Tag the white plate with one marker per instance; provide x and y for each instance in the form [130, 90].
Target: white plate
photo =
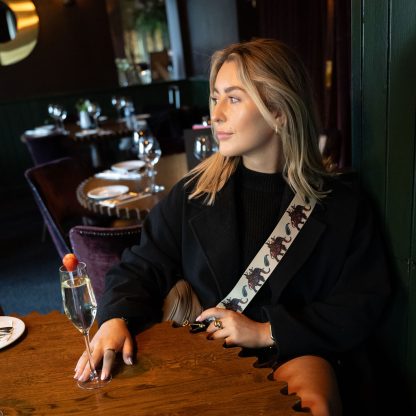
[128, 166]
[143, 116]
[46, 127]
[18, 329]
[104, 192]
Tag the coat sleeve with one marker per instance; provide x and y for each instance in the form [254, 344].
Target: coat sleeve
[135, 288]
[346, 316]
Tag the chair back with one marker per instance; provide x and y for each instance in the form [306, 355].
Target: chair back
[46, 148]
[54, 187]
[100, 248]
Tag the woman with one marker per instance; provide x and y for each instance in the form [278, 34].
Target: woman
[328, 290]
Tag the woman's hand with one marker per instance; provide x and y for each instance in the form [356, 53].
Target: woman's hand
[113, 336]
[237, 329]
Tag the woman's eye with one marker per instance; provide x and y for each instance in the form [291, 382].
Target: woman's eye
[234, 100]
[214, 100]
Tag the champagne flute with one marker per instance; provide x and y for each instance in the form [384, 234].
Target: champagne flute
[148, 150]
[204, 146]
[80, 307]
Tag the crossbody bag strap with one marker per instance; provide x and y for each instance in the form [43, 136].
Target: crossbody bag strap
[269, 255]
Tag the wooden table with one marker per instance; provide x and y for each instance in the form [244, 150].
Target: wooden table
[100, 142]
[175, 373]
[170, 170]
[108, 130]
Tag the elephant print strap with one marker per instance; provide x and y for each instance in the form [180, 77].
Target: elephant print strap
[270, 255]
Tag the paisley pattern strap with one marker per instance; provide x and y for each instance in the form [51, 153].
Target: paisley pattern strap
[270, 255]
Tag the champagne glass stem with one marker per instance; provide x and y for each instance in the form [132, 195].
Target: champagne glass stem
[151, 169]
[90, 362]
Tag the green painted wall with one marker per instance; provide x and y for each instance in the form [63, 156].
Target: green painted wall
[383, 130]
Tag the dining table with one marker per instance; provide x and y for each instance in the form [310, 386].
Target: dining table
[101, 140]
[174, 372]
[170, 170]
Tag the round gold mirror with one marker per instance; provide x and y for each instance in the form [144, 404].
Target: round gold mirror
[19, 27]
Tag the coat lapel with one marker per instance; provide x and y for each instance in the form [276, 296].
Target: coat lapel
[215, 229]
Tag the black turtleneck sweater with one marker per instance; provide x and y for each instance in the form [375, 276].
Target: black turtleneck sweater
[258, 197]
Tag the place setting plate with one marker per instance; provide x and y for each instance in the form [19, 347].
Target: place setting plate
[128, 166]
[109, 191]
[17, 331]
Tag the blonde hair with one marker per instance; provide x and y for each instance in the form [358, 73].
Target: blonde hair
[276, 80]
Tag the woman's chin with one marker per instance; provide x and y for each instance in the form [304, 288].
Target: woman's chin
[223, 151]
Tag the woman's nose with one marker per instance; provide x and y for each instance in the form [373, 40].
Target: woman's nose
[218, 114]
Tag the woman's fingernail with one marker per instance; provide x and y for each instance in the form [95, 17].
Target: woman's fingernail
[129, 361]
[198, 318]
[103, 375]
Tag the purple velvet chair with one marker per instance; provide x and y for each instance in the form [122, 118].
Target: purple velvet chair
[54, 187]
[100, 248]
[45, 148]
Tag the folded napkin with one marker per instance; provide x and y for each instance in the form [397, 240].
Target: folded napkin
[111, 174]
[89, 132]
[38, 132]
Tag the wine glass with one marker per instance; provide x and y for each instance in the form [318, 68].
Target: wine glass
[119, 103]
[204, 146]
[55, 111]
[94, 110]
[62, 117]
[148, 150]
[80, 307]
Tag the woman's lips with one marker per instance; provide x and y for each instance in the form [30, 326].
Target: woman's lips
[223, 135]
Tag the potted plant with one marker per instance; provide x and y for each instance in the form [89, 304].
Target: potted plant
[84, 117]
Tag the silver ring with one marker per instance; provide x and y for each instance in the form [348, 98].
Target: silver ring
[218, 323]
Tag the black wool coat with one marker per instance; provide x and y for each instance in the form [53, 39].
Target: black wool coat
[327, 293]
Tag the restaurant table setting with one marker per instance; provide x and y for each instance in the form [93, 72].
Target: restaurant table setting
[46, 130]
[136, 198]
[124, 191]
[129, 169]
[174, 372]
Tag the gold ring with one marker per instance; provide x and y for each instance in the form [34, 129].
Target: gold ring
[218, 324]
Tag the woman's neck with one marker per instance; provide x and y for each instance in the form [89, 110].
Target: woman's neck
[271, 161]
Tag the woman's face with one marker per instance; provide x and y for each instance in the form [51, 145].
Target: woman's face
[239, 126]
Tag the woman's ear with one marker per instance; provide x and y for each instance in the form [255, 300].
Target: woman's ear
[280, 120]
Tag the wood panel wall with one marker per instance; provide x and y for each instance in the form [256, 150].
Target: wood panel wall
[383, 123]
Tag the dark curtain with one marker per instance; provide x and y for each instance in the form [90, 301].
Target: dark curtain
[319, 30]
[340, 116]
